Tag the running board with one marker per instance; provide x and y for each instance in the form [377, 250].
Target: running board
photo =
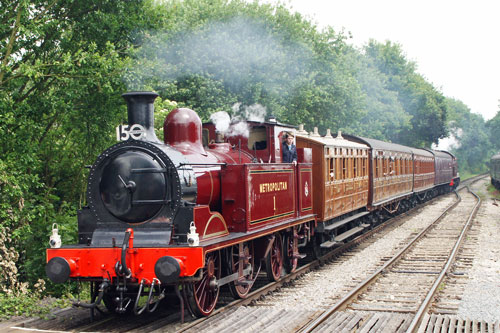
[340, 223]
[347, 234]
[328, 244]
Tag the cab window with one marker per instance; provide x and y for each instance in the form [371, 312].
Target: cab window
[257, 139]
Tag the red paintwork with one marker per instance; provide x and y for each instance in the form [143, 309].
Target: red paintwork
[99, 262]
[209, 224]
[304, 180]
[183, 131]
[182, 128]
[266, 194]
[305, 188]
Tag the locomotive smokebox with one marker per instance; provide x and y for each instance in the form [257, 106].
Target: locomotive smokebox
[140, 106]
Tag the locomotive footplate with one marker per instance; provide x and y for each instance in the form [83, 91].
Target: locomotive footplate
[97, 263]
[238, 237]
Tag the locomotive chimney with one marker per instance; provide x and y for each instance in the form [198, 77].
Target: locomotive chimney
[140, 106]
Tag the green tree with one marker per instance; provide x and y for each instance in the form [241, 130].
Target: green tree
[384, 116]
[60, 84]
[421, 101]
[493, 126]
[213, 54]
[471, 138]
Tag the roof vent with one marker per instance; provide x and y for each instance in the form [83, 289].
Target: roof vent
[301, 130]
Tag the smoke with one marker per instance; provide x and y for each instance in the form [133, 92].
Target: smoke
[221, 120]
[254, 112]
[228, 127]
[238, 125]
[239, 128]
[235, 53]
[450, 142]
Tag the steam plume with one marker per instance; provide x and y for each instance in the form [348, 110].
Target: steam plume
[238, 125]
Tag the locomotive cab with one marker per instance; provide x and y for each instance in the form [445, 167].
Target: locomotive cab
[262, 140]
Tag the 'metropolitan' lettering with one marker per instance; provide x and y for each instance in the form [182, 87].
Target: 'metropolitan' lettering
[273, 187]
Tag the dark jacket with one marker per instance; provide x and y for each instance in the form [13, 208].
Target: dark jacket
[289, 155]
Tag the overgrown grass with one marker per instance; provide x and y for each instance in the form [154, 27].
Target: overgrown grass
[466, 175]
[493, 192]
[21, 298]
[28, 306]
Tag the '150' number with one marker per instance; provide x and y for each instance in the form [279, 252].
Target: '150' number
[125, 132]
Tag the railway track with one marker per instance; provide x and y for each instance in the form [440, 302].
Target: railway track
[288, 309]
[268, 317]
[269, 288]
[407, 283]
[168, 321]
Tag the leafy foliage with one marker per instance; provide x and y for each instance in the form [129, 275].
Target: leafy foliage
[60, 79]
[424, 105]
[214, 54]
[493, 126]
[471, 138]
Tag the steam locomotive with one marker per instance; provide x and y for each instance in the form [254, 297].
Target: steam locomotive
[196, 212]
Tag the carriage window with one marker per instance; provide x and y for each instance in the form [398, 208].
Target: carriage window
[337, 167]
[351, 167]
[257, 139]
[355, 167]
[332, 169]
[344, 168]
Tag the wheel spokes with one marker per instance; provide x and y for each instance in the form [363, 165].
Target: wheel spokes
[239, 288]
[205, 292]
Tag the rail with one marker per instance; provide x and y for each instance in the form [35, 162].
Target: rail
[425, 304]
[300, 271]
[343, 303]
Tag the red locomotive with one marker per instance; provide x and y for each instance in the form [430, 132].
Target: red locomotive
[178, 213]
[197, 212]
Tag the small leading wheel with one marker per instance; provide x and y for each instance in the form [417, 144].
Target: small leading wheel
[291, 246]
[240, 289]
[203, 295]
[274, 259]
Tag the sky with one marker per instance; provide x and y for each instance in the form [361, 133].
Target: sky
[455, 43]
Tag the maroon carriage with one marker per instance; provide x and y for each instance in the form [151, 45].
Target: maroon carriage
[445, 165]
